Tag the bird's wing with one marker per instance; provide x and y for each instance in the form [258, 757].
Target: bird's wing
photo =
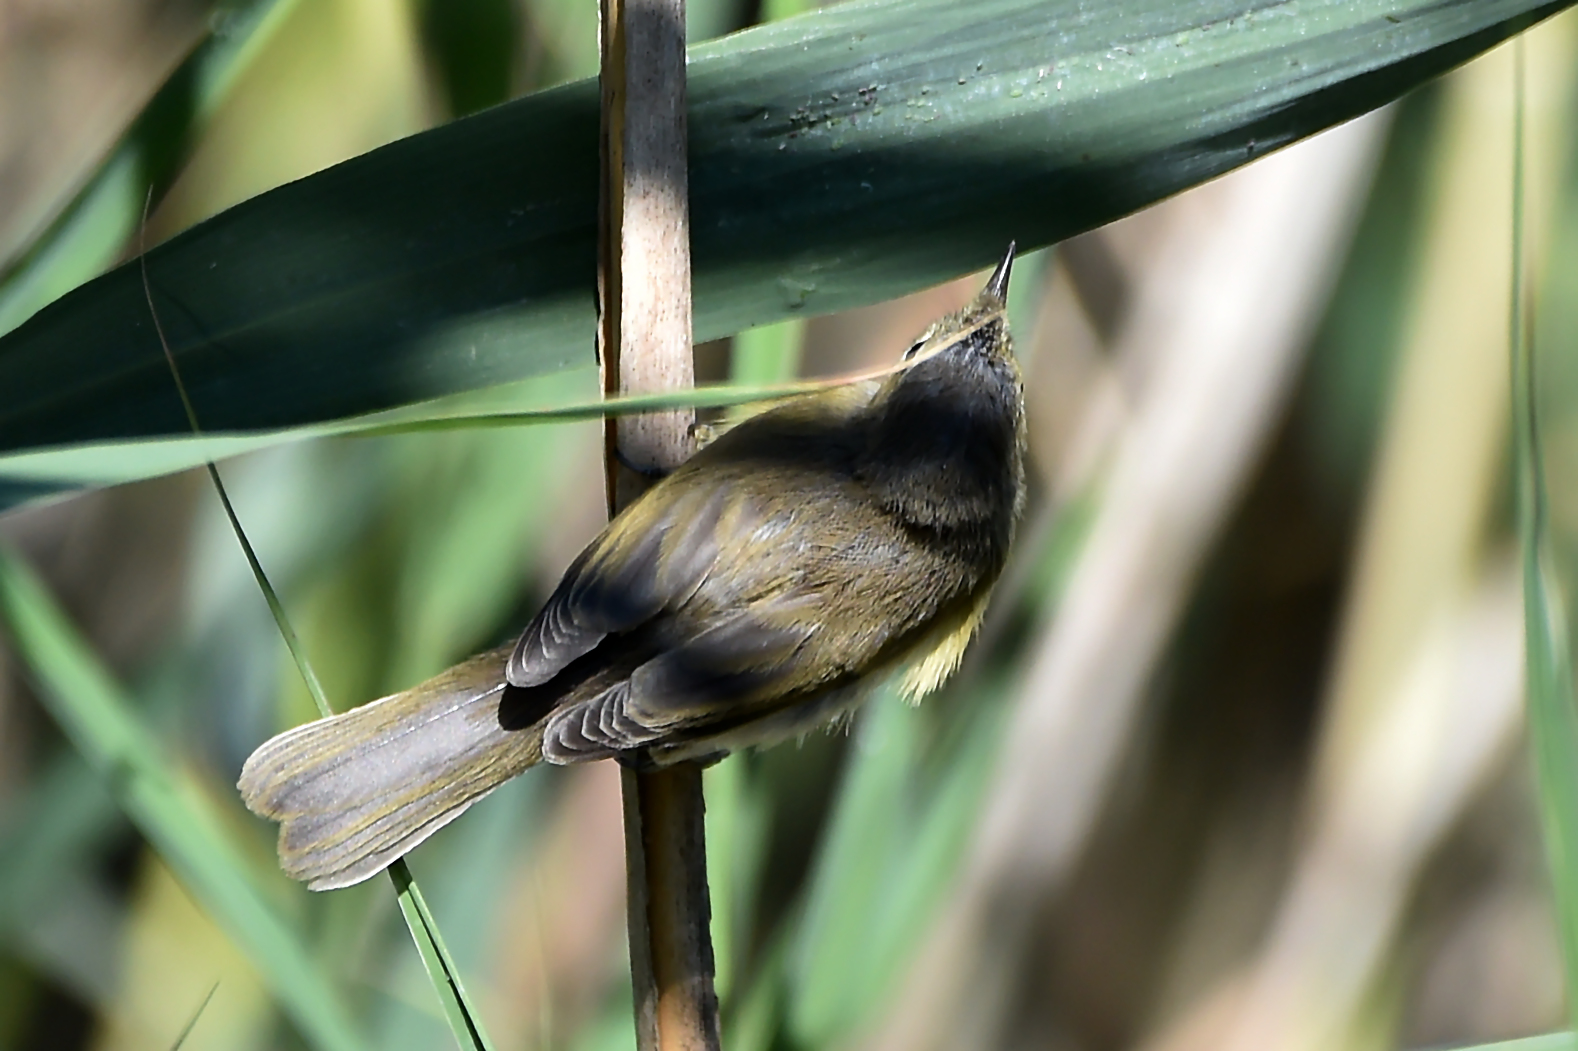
[742, 657]
[782, 617]
[639, 566]
[653, 557]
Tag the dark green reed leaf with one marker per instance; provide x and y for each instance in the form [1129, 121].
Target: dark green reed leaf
[838, 158]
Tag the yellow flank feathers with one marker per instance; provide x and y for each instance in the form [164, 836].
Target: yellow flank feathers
[929, 671]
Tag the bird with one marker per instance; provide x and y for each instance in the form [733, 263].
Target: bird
[844, 538]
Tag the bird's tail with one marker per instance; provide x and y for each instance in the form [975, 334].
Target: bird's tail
[354, 792]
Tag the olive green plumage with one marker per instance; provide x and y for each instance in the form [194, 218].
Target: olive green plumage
[747, 597]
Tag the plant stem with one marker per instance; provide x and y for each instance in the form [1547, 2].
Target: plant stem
[671, 960]
[644, 344]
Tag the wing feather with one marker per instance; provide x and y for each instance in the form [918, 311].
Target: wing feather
[633, 571]
[765, 577]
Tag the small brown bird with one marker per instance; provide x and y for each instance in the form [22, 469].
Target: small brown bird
[752, 594]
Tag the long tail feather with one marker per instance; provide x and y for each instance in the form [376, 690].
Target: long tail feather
[356, 791]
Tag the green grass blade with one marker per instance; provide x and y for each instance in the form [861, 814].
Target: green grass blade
[275, 607]
[191, 1023]
[82, 242]
[1553, 720]
[841, 157]
[462, 1018]
[165, 804]
[33, 474]
[464, 1021]
[1546, 1042]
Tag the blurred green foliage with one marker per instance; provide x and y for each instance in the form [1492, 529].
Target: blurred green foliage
[398, 555]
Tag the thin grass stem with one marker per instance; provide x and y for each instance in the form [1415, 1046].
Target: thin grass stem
[462, 1017]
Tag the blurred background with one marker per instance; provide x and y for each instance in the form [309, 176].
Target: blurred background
[1238, 761]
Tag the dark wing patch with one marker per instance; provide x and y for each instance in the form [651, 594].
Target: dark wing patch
[639, 566]
[691, 687]
[594, 729]
[731, 660]
[572, 623]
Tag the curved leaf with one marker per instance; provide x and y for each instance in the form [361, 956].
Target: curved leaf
[839, 158]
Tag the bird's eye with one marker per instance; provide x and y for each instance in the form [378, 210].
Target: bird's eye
[915, 349]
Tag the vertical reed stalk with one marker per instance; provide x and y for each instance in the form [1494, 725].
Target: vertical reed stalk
[644, 344]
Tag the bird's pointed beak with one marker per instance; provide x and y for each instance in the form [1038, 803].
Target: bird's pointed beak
[997, 285]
